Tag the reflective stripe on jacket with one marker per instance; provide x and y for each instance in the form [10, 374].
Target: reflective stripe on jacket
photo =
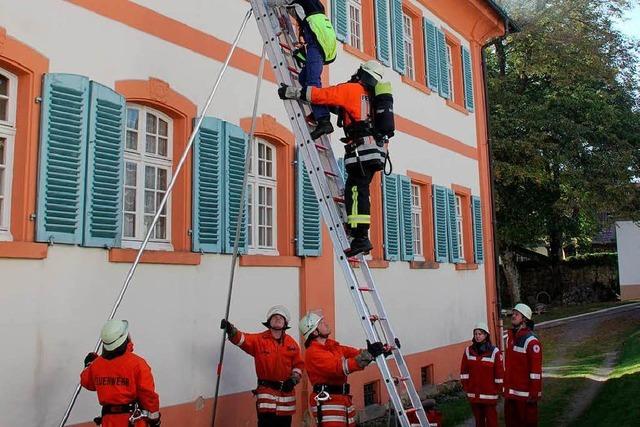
[523, 373]
[482, 375]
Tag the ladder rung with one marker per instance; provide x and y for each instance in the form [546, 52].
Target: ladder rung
[331, 174]
[338, 200]
[285, 46]
[410, 410]
[365, 289]
[293, 70]
[321, 147]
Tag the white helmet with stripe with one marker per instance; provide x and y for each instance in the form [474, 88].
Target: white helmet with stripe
[114, 333]
[309, 323]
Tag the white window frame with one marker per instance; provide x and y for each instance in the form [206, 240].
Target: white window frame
[450, 60]
[460, 224]
[142, 159]
[416, 213]
[407, 40]
[8, 132]
[355, 33]
[266, 181]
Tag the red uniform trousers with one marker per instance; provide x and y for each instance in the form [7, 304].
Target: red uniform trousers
[520, 413]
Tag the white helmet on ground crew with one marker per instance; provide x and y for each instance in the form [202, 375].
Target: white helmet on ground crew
[281, 310]
[374, 69]
[114, 333]
[482, 326]
[309, 323]
[524, 310]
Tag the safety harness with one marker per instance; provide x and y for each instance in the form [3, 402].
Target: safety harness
[137, 413]
[323, 394]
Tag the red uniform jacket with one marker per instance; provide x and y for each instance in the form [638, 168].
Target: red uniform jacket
[523, 375]
[274, 361]
[122, 380]
[482, 374]
[330, 363]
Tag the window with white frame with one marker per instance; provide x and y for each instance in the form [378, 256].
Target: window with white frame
[148, 165]
[460, 229]
[416, 213]
[261, 200]
[355, 23]
[450, 59]
[407, 39]
[8, 105]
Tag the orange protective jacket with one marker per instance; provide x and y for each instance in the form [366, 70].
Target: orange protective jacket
[275, 360]
[330, 363]
[352, 97]
[119, 381]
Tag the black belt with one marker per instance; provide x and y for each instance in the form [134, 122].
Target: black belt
[118, 409]
[332, 389]
[276, 385]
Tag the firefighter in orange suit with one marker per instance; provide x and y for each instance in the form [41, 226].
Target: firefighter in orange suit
[366, 129]
[122, 380]
[523, 373]
[328, 365]
[278, 366]
[482, 375]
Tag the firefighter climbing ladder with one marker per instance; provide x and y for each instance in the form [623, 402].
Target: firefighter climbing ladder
[322, 169]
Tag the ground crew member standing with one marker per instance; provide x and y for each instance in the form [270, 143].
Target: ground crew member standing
[328, 364]
[523, 373]
[320, 48]
[122, 380]
[482, 374]
[365, 149]
[278, 366]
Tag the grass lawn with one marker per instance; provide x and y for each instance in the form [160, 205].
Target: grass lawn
[454, 411]
[559, 312]
[617, 403]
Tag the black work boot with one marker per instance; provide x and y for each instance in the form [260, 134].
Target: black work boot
[324, 127]
[359, 245]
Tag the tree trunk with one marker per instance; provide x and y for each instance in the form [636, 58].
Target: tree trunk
[501, 56]
[512, 275]
[555, 257]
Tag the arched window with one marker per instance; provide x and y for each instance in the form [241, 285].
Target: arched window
[148, 170]
[8, 102]
[262, 183]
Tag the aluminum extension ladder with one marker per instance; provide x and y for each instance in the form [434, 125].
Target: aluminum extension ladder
[328, 184]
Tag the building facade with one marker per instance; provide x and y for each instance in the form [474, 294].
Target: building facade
[97, 103]
[628, 243]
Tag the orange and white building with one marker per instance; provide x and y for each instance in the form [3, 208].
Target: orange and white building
[97, 102]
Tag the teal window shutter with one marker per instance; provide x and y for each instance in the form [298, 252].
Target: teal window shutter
[382, 31]
[454, 241]
[207, 187]
[467, 74]
[431, 54]
[309, 224]
[339, 19]
[61, 178]
[443, 64]
[105, 164]
[391, 216]
[234, 152]
[478, 244]
[406, 218]
[440, 223]
[397, 33]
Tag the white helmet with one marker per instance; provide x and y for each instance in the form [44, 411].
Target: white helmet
[524, 310]
[282, 311]
[482, 326]
[309, 323]
[374, 69]
[114, 333]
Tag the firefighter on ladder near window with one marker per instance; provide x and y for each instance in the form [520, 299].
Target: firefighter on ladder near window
[122, 380]
[482, 375]
[365, 111]
[523, 373]
[328, 364]
[278, 366]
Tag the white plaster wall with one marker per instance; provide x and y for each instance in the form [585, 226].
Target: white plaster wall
[628, 238]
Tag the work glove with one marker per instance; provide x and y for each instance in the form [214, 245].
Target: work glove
[289, 92]
[90, 358]
[289, 384]
[364, 358]
[375, 349]
[228, 327]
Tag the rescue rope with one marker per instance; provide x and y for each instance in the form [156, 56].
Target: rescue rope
[239, 221]
[163, 203]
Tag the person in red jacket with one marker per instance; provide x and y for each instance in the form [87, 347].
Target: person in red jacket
[365, 150]
[482, 374]
[328, 364]
[523, 373]
[278, 366]
[122, 380]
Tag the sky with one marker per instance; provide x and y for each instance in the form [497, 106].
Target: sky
[631, 25]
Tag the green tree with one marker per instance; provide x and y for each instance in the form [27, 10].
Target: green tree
[565, 124]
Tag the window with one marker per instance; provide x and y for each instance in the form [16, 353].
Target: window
[426, 375]
[148, 165]
[407, 39]
[371, 393]
[261, 200]
[451, 81]
[355, 24]
[8, 97]
[416, 213]
[460, 224]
